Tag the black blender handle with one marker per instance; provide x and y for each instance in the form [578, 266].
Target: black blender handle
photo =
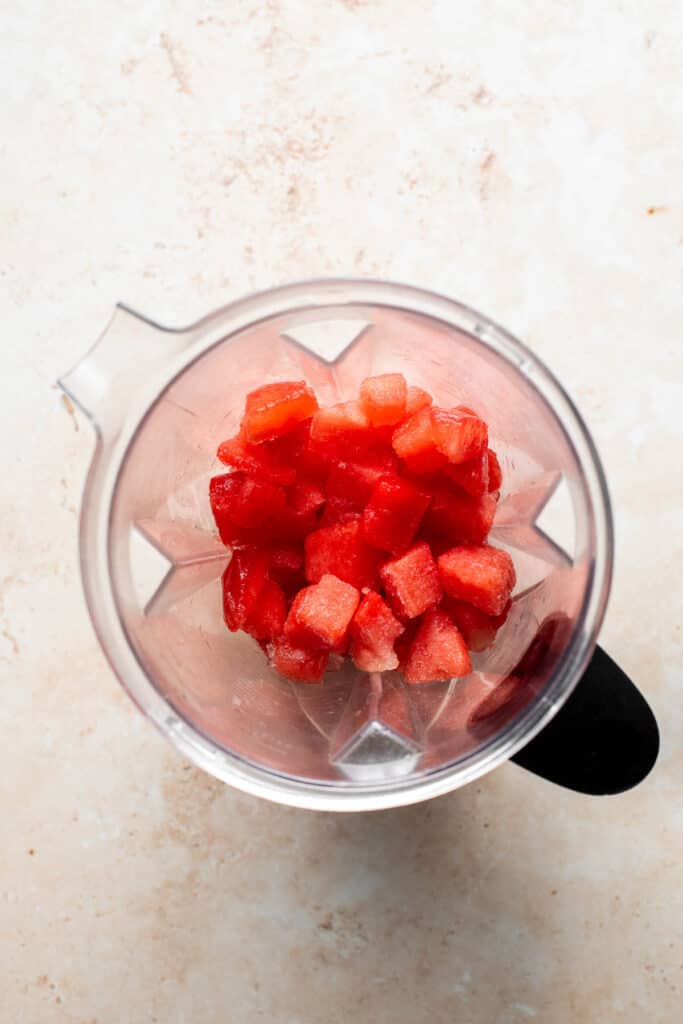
[604, 740]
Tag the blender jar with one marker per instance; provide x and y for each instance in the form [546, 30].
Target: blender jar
[160, 400]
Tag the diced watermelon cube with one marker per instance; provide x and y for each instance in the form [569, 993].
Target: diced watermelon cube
[459, 434]
[478, 629]
[322, 613]
[373, 632]
[353, 481]
[459, 517]
[258, 460]
[285, 559]
[300, 664]
[393, 514]
[286, 566]
[438, 652]
[243, 582]
[341, 551]
[266, 620]
[333, 422]
[416, 399]
[495, 474]
[274, 409]
[306, 496]
[339, 510]
[411, 582]
[232, 497]
[415, 436]
[296, 449]
[481, 575]
[471, 476]
[383, 399]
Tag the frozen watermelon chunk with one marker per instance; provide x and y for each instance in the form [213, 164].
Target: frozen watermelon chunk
[459, 517]
[438, 651]
[416, 399]
[495, 474]
[373, 632]
[258, 460]
[241, 506]
[274, 409]
[296, 449]
[459, 433]
[411, 582]
[322, 612]
[306, 496]
[266, 620]
[393, 514]
[339, 510]
[383, 399]
[285, 559]
[300, 664]
[415, 435]
[471, 476]
[243, 582]
[353, 481]
[333, 422]
[481, 575]
[478, 629]
[341, 551]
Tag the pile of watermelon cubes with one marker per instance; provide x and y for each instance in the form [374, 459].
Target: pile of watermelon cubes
[359, 530]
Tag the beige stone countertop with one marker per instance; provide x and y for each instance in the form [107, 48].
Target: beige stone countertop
[524, 158]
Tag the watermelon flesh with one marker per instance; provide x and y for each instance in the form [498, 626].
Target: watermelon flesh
[359, 529]
[438, 651]
[374, 630]
[482, 576]
[274, 409]
[411, 582]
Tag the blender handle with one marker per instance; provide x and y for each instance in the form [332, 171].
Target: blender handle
[604, 740]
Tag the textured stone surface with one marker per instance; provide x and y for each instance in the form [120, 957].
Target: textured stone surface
[523, 158]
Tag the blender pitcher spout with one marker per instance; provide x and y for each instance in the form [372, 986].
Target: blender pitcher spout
[129, 347]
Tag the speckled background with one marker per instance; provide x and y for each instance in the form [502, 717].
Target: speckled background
[525, 158]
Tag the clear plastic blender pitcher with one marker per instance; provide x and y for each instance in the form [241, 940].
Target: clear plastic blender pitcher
[160, 400]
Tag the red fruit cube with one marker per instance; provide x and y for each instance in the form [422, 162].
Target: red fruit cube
[300, 664]
[243, 582]
[383, 399]
[459, 517]
[306, 496]
[478, 629]
[322, 612]
[438, 652]
[339, 510]
[411, 582]
[296, 449]
[416, 399]
[274, 409]
[415, 436]
[373, 632]
[248, 502]
[259, 461]
[471, 476]
[481, 575]
[393, 514]
[285, 559]
[354, 481]
[460, 434]
[266, 620]
[333, 422]
[495, 474]
[341, 551]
